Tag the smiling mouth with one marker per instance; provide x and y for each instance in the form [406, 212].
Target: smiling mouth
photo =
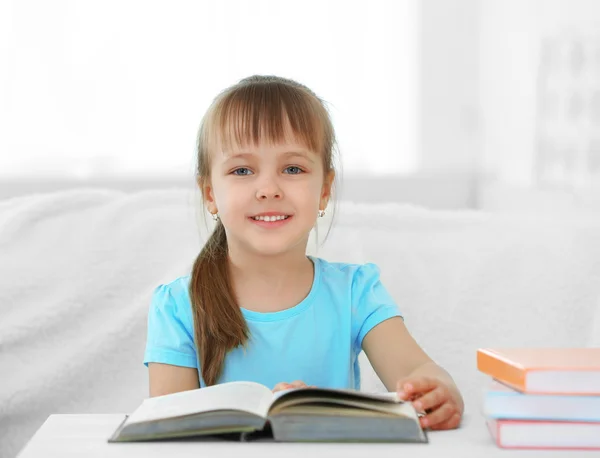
[270, 218]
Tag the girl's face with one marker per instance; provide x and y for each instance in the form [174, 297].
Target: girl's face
[268, 197]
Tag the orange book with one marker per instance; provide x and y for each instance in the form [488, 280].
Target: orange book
[544, 370]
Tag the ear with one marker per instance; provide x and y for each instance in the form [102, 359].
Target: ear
[208, 194]
[326, 189]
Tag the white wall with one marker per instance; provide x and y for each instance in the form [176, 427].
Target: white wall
[100, 89]
[510, 38]
[476, 92]
[447, 119]
[450, 133]
[477, 69]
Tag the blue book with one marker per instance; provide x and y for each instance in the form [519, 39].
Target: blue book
[503, 402]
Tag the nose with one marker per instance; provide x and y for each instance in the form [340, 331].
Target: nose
[268, 188]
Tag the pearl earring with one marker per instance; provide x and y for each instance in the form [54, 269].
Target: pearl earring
[321, 213]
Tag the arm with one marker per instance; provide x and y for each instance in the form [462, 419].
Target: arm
[170, 351]
[397, 358]
[167, 379]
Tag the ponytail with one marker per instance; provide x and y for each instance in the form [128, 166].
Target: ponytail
[219, 325]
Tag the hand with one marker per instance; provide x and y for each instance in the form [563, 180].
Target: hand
[442, 405]
[286, 386]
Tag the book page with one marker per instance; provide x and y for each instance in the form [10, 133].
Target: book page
[392, 408]
[351, 410]
[337, 393]
[373, 401]
[243, 396]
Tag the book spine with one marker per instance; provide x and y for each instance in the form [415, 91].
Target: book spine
[494, 365]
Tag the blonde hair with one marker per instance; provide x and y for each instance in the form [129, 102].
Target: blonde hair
[258, 108]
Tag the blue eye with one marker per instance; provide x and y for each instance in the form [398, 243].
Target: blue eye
[294, 170]
[242, 171]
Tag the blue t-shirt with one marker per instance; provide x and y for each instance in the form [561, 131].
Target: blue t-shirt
[316, 341]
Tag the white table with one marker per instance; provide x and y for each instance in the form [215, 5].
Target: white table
[64, 436]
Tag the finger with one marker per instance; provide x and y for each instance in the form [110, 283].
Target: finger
[423, 384]
[404, 389]
[439, 415]
[414, 385]
[298, 384]
[432, 399]
[408, 397]
[452, 423]
[281, 386]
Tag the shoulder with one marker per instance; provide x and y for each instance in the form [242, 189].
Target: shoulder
[178, 286]
[351, 275]
[170, 331]
[348, 270]
[173, 297]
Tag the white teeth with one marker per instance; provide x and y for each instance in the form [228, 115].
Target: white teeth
[270, 218]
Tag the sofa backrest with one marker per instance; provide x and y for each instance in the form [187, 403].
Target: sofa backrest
[78, 269]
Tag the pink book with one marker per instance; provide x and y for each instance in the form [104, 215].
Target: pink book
[532, 434]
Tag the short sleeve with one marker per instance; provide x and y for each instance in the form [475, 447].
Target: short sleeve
[170, 331]
[371, 303]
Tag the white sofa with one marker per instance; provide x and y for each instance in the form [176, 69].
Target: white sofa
[77, 269]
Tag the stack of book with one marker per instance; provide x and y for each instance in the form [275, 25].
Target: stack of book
[546, 398]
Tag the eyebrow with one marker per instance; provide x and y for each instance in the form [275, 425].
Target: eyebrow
[303, 154]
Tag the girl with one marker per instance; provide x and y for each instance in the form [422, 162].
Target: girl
[255, 306]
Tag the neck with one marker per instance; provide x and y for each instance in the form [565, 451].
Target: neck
[270, 283]
[272, 269]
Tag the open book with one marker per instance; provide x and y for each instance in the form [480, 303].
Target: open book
[251, 410]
